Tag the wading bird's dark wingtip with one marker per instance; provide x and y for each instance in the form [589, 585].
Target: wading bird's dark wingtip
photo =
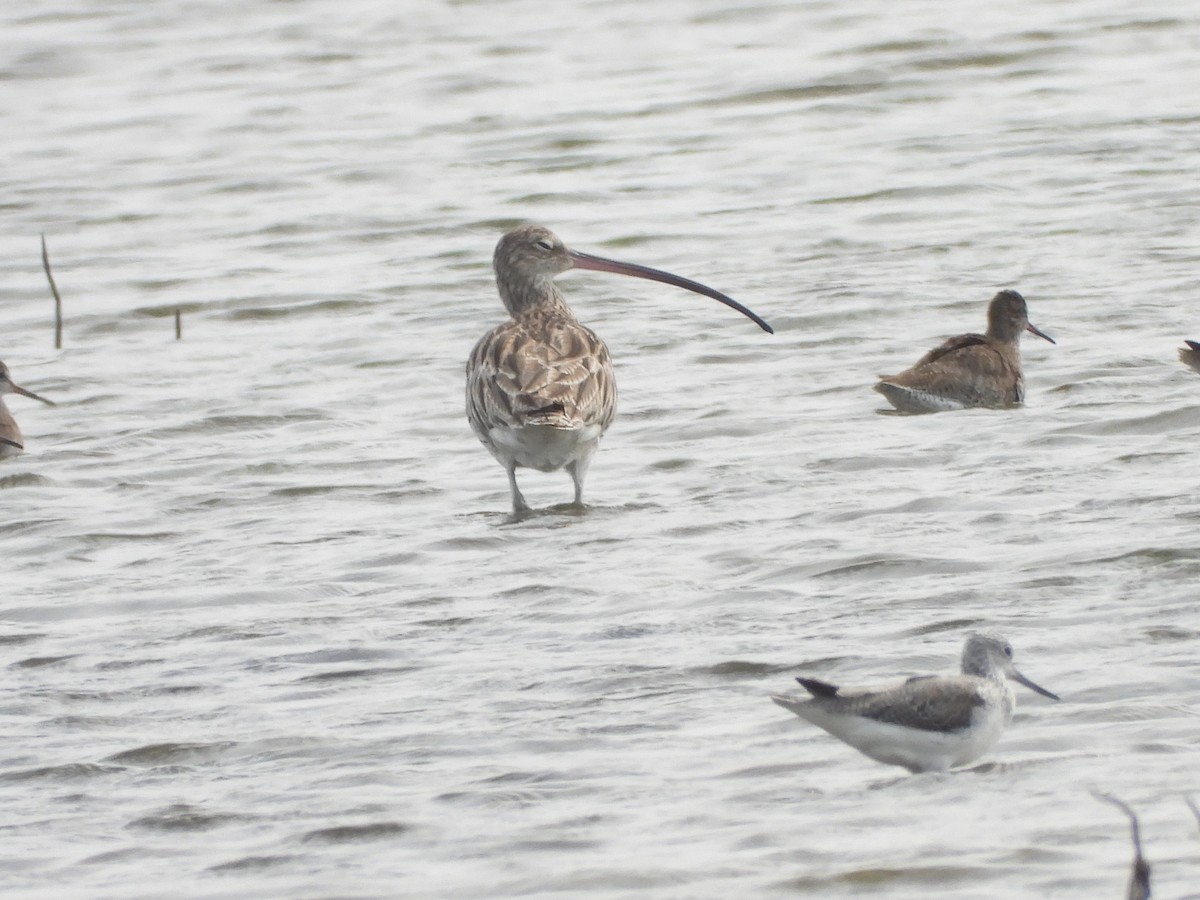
[818, 688]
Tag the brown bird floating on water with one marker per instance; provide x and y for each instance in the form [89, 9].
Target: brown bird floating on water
[540, 387]
[1190, 355]
[971, 369]
[11, 442]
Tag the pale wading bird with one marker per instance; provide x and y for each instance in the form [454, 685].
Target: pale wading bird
[540, 387]
[971, 369]
[929, 723]
[1190, 355]
[11, 442]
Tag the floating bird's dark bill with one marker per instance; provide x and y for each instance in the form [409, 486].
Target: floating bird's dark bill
[600, 264]
[17, 389]
[1021, 679]
[1029, 326]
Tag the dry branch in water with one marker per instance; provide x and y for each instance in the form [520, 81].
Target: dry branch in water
[57, 298]
[1139, 876]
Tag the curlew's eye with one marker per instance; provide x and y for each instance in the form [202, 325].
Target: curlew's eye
[1008, 651]
[543, 244]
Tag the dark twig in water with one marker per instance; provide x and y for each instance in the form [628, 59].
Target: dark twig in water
[1192, 806]
[57, 298]
[1139, 876]
[178, 324]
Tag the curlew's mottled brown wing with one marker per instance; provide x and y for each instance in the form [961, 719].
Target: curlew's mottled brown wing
[968, 368]
[556, 373]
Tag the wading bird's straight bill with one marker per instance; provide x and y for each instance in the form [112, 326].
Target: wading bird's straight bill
[970, 370]
[540, 387]
[11, 441]
[929, 723]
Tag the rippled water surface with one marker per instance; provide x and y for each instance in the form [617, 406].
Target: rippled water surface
[268, 627]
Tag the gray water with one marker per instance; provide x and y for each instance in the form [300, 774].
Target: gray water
[268, 628]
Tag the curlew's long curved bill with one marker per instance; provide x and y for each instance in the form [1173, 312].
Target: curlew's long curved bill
[600, 264]
[1030, 327]
[1021, 679]
[17, 389]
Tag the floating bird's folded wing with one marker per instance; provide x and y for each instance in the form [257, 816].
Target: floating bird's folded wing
[563, 379]
[950, 346]
[966, 368]
[927, 704]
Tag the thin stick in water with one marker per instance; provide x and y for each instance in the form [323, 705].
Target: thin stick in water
[57, 298]
[1139, 876]
[178, 324]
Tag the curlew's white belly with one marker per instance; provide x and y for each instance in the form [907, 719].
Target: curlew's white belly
[543, 447]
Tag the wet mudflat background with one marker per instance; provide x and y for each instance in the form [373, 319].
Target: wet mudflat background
[267, 627]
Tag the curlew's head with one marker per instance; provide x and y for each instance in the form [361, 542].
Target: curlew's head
[1008, 316]
[8, 386]
[526, 262]
[528, 258]
[988, 656]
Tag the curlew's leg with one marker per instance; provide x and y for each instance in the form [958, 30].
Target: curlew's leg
[578, 469]
[519, 504]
